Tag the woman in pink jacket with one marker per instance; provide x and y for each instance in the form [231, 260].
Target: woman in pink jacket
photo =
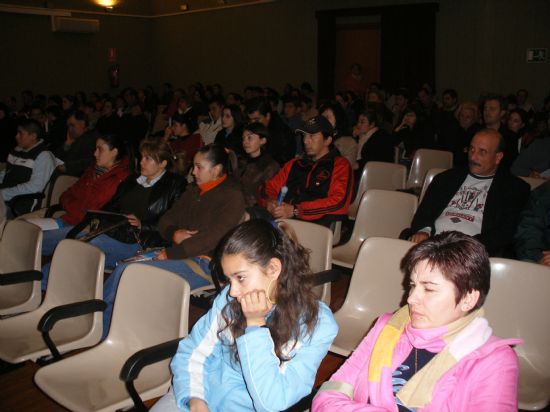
[437, 353]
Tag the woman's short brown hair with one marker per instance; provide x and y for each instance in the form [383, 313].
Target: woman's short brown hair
[461, 259]
[158, 150]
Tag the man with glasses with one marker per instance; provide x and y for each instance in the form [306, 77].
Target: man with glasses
[481, 201]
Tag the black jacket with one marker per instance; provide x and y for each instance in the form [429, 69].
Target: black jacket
[506, 198]
[163, 195]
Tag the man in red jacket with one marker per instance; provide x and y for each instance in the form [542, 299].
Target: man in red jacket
[319, 184]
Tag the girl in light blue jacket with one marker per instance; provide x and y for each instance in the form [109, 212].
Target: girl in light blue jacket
[259, 347]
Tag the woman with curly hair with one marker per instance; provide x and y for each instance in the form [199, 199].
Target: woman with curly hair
[260, 345]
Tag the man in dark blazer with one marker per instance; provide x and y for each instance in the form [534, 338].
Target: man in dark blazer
[479, 200]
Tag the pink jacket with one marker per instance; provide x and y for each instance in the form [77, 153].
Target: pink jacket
[484, 380]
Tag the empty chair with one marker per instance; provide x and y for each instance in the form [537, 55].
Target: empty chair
[378, 175]
[76, 275]
[382, 213]
[518, 307]
[20, 251]
[427, 180]
[375, 288]
[151, 307]
[318, 239]
[424, 160]
[534, 182]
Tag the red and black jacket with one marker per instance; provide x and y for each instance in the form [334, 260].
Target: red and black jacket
[317, 188]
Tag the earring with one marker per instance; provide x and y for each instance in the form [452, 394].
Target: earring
[268, 293]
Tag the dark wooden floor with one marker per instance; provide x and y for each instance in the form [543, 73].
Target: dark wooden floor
[19, 393]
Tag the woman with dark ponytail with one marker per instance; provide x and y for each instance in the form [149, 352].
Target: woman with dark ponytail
[194, 225]
[260, 345]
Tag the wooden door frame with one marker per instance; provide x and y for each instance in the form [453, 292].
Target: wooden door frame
[326, 39]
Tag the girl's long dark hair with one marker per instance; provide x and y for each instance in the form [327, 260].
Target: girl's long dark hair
[295, 314]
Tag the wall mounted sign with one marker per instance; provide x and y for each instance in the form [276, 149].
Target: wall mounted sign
[536, 55]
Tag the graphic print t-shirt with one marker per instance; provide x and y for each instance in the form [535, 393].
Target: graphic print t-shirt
[464, 213]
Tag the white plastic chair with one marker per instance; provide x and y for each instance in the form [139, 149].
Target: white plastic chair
[378, 175]
[424, 160]
[375, 288]
[517, 307]
[151, 307]
[20, 250]
[318, 239]
[427, 180]
[382, 213]
[76, 275]
[534, 182]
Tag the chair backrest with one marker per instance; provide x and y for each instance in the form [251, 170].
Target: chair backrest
[318, 239]
[384, 213]
[428, 179]
[534, 182]
[76, 274]
[378, 175]
[61, 183]
[20, 249]
[424, 160]
[375, 288]
[151, 306]
[518, 306]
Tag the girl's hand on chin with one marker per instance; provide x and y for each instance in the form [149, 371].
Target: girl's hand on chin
[255, 307]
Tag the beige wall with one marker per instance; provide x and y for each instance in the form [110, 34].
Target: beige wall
[481, 45]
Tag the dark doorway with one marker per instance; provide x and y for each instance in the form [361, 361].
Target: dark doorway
[357, 44]
[407, 45]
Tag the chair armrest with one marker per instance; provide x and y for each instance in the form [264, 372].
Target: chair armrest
[70, 310]
[20, 277]
[326, 276]
[19, 204]
[52, 209]
[28, 196]
[135, 363]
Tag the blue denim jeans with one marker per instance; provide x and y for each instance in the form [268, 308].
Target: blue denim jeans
[114, 251]
[50, 239]
[179, 267]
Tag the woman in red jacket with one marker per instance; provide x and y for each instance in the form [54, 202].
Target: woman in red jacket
[93, 190]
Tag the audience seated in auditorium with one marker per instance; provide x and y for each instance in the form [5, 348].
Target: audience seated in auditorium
[375, 144]
[142, 200]
[77, 152]
[457, 137]
[230, 136]
[494, 113]
[260, 345]
[346, 145]
[258, 164]
[319, 184]
[283, 143]
[533, 234]
[92, 191]
[408, 135]
[438, 352]
[292, 115]
[194, 225]
[209, 128]
[534, 161]
[28, 168]
[482, 200]
[183, 136]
